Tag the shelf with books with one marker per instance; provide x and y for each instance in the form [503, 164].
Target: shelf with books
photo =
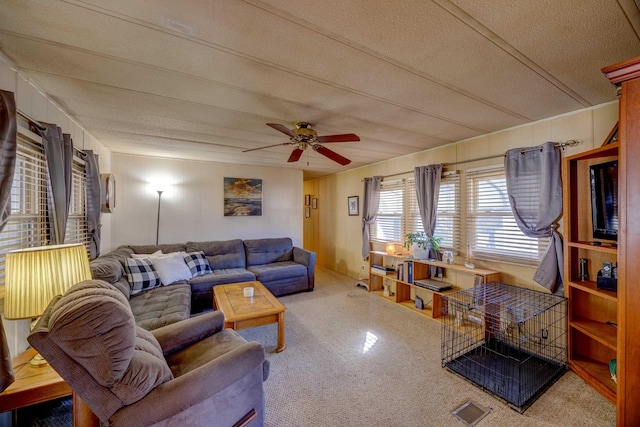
[398, 274]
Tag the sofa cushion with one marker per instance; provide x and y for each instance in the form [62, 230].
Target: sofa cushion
[106, 268]
[171, 268]
[94, 325]
[161, 306]
[220, 277]
[165, 248]
[141, 275]
[267, 251]
[197, 263]
[278, 270]
[221, 254]
[141, 256]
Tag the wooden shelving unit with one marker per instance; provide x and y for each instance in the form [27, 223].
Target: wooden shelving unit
[626, 76]
[404, 292]
[593, 312]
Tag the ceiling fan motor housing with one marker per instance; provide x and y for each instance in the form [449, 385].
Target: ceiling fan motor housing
[304, 133]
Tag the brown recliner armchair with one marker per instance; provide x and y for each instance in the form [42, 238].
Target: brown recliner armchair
[191, 372]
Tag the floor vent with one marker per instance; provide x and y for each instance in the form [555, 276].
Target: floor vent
[470, 414]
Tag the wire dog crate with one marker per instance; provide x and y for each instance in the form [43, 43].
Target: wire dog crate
[509, 341]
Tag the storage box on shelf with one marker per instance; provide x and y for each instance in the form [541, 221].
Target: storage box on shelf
[593, 312]
[403, 289]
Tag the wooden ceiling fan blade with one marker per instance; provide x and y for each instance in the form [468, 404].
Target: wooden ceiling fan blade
[345, 137]
[331, 155]
[267, 146]
[282, 128]
[295, 155]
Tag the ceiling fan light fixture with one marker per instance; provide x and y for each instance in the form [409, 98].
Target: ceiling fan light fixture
[304, 135]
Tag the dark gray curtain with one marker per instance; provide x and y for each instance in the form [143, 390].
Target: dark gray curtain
[8, 141]
[58, 151]
[427, 191]
[93, 202]
[534, 186]
[371, 201]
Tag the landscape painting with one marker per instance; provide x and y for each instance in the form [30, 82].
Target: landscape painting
[242, 197]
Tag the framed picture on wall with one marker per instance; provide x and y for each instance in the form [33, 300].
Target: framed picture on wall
[307, 199]
[307, 212]
[314, 203]
[353, 205]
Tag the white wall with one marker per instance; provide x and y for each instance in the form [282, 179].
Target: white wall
[192, 202]
[37, 105]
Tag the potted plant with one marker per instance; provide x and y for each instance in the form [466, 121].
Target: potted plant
[421, 244]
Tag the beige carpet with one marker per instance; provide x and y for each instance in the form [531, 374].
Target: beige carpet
[353, 359]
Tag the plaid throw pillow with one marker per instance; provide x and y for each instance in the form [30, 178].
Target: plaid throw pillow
[197, 263]
[141, 275]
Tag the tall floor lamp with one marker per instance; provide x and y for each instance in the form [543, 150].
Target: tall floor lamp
[158, 222]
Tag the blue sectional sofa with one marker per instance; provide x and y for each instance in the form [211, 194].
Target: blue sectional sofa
[281, 267]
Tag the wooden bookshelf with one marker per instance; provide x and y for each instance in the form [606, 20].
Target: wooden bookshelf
[404, 292]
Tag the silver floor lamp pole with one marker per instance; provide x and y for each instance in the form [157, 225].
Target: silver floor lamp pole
[158, 222]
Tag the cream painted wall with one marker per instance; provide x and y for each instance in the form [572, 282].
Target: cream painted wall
[37, 105]
[192, 202]
[336, 237]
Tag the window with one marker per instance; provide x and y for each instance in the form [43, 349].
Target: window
[448, 213]
[389, 225]
[77, 220]
[27, 224]
[398, 213]
[492, 231]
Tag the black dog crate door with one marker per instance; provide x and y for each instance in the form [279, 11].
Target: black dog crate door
[509, 341]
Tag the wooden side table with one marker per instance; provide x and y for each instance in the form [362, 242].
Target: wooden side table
[37, 384]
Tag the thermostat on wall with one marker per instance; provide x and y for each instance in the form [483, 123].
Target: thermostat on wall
[107, 192]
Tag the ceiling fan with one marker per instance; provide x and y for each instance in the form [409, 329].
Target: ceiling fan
[304, 136]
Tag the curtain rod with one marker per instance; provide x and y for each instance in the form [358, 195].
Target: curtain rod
[30, 119]
[562, 145]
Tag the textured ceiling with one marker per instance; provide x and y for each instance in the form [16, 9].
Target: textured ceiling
[199, 79]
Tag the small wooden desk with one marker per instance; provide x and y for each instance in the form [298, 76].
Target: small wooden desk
[242, 312]
[38, 384]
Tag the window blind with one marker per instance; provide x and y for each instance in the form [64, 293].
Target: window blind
[27, 224]
[448, 213]
[77, 220]
[399, 214]
[492, 231]
[388, 226]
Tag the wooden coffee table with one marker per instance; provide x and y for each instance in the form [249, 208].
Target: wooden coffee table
[242, 312]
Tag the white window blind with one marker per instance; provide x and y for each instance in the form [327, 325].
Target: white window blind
[399, 214]
[77, 221]
[388, 226]
[448, 213]
[492, 231]
[27, 224]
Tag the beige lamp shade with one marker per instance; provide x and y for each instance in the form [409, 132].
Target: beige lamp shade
[33, 276]
[391, 248]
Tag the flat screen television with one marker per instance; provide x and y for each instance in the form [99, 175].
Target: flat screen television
[604, 200]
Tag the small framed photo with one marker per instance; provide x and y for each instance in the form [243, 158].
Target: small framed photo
[307, 212]
[314, 203]
[354, 205]
[307, 199]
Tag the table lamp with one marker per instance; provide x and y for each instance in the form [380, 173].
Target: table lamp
[33, 276]
[391, 248]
